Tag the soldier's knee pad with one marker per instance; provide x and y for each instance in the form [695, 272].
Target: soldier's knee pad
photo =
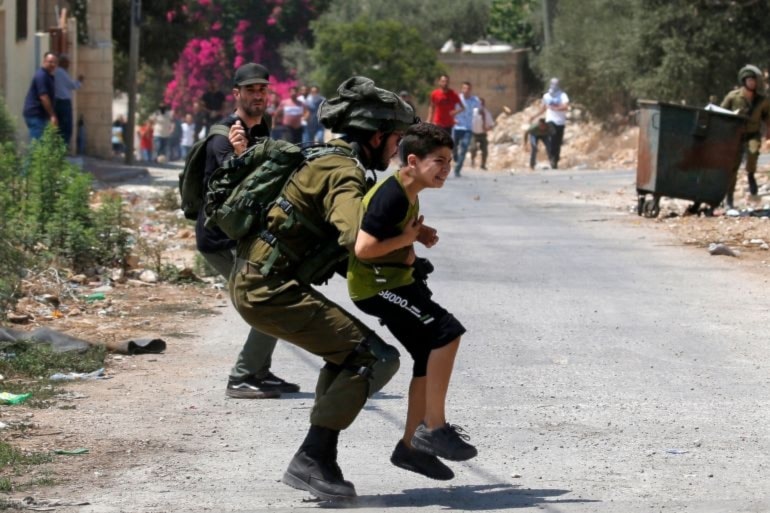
[382, 362]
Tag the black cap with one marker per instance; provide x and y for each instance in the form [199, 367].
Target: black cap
[251, 73]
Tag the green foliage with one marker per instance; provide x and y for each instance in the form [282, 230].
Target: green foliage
[512, 21]
[54, 208]
[160, 40]
[593, 53]
[201, 266]
[10, 456]
[7, 128]
[609, 53]
[297, 59]
[111, 223]
[435, 20]
[34, 360]
[45, 218]
[387, 51]
[10, 231]
[692, 49]
[80, 12]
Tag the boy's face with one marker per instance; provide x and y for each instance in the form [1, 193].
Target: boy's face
[432, 170]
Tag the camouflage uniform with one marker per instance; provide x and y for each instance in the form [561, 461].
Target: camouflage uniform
[307, 237]
[757, 111]
[328, 192]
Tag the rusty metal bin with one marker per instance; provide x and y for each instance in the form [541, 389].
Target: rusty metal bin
[686, 153]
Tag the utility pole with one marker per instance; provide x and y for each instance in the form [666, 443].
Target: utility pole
[547, 21]
[133, 67]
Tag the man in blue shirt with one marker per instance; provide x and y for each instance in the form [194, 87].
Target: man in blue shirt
[462, 130]
[314, 130]
[64, 85]
[39, 103]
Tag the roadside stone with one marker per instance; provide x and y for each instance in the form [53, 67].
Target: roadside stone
[720, 249]
[79, 278]
[148, 276]
[18, 318]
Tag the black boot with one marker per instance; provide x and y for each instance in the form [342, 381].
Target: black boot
[753, 190]
[729, 201]
[314, 468]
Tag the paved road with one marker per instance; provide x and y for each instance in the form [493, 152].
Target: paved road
[605, 369]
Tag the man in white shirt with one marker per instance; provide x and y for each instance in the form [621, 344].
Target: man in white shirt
[481, 124]
[555, 104]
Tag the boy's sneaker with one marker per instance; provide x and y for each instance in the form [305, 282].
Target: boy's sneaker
[448, 442]
[249, 388]
[420, 462]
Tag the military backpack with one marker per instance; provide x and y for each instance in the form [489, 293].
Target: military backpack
[191, 187]
[245, 188]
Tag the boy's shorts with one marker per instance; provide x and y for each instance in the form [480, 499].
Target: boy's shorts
[418, 322]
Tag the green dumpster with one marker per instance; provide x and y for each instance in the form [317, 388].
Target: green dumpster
[685, 152]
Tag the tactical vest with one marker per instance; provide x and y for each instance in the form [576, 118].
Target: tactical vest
[313, 223]
[366, 279]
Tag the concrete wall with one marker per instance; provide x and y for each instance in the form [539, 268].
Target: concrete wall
[19, 60]
[94, 99]
[499, 78]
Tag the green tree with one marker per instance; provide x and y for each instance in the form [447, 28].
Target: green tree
[512, 21]
[162, 35]
[435, 20]
[7, 128]
[386, 51]
[609, 53]
[593, 53]
[690, 50]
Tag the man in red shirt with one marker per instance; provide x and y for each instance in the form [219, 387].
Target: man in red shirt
[444, 105]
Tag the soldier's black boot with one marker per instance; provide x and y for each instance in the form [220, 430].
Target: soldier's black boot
[314, 468]
[753, 190]
[729, 201]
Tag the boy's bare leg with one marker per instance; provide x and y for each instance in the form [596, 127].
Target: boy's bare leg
[440, 364]
[415, 410]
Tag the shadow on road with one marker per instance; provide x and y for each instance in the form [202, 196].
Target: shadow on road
[464, 498]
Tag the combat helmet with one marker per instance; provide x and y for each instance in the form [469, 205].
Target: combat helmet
[750, 71]
[361, 105]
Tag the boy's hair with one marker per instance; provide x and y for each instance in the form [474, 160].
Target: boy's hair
[423, 138]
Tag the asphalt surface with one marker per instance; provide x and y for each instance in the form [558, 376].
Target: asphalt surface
[605, 369]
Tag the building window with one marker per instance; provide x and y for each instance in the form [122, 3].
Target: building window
[21, 19]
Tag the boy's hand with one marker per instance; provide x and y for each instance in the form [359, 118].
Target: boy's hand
[412, 230]
[238, 138]
[428, 236]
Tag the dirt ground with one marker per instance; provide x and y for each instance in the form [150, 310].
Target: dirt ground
[135, 308]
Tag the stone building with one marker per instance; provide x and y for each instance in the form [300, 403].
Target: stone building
[497, 73]
[28, 29]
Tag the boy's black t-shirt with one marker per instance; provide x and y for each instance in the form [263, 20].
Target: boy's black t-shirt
[386, 211]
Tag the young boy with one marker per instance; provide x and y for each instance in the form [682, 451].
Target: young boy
[382, 282]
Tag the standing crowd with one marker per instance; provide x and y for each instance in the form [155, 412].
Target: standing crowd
[168, 135]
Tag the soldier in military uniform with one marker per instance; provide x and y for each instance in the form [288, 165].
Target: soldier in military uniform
[748, 101]
[309, 233]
